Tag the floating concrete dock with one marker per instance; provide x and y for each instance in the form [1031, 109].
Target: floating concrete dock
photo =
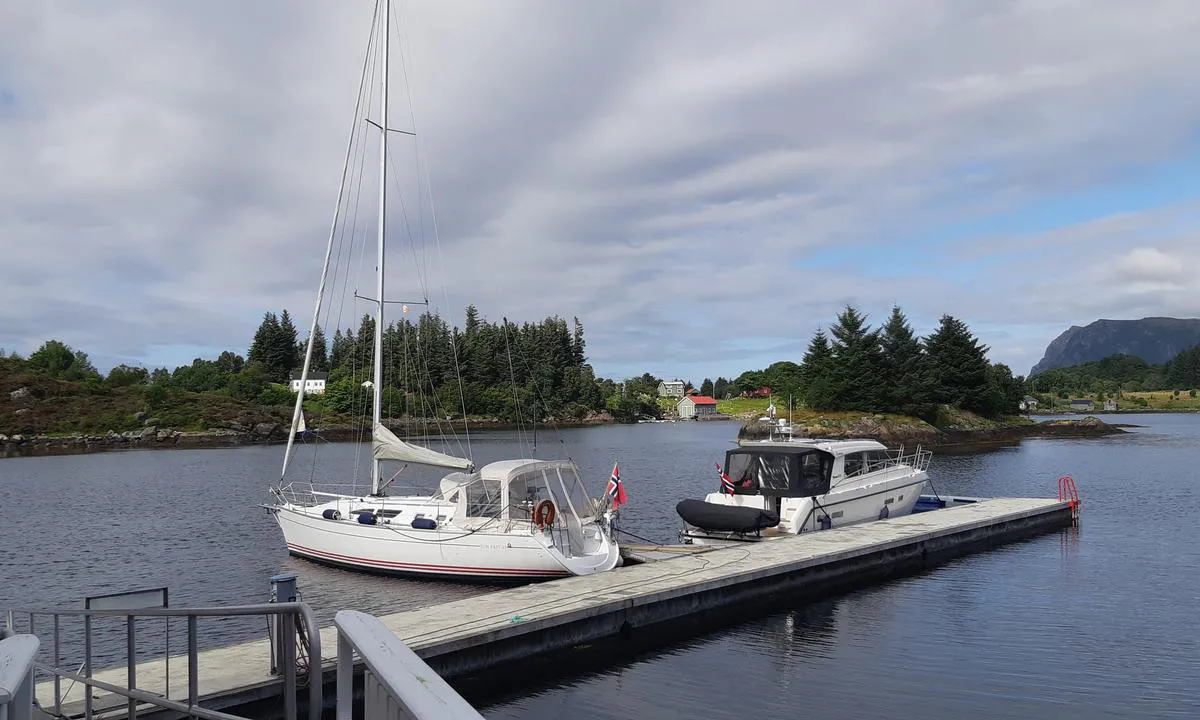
[474, 634]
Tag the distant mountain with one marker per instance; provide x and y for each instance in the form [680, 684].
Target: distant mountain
[1153, 339]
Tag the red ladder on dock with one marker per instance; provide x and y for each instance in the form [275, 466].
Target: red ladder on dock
[1067, 492]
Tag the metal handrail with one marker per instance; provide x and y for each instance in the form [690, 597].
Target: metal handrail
[296, 610]
[300, 492]
[397, 683]
[917, 459]
[17, 654]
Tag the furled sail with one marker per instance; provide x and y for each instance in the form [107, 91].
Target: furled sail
[390, 447]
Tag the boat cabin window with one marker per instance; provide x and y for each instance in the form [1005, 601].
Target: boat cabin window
[483, 498]
[783, 473]
[815, 470]
[875, 460]
[524, 492]
[861, 463]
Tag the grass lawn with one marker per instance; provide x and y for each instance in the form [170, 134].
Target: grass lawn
[1157, 400]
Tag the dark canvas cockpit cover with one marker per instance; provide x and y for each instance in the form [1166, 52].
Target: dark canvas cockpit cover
[780, 471]
[725, 518]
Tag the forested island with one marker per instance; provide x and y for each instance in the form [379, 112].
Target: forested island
[489, 374]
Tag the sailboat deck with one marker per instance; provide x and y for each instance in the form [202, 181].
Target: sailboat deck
[480, 632]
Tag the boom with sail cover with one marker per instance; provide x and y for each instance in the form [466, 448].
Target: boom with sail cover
[389, 447]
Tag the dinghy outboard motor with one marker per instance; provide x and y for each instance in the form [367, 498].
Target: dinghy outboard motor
[725, 518]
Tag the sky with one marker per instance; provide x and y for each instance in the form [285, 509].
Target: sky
[703, 184]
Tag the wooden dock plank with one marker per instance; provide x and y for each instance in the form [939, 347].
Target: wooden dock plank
[242, 671]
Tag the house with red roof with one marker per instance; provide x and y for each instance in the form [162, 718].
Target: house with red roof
[696, 406]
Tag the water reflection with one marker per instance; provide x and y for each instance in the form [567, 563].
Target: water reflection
[1087, 623]
[1090, 622]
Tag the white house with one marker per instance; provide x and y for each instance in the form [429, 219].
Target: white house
[670, 388]
[694, 406]
[1028, 403]
[313, 385]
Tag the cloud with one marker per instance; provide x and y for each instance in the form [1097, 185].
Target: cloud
[669, 174]
[1147, 264]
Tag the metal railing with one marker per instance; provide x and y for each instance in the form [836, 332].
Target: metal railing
[17, 656]
[306, 493]
[917, 459]
[299, 615]
[396, 683]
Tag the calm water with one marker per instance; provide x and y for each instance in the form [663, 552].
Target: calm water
[1094, 622]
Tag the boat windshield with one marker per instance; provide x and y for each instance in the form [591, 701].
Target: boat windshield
[560, 485]
[783, 473]
[573, 486]
[483, 498]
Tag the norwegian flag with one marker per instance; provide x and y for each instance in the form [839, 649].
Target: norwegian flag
[616, 489]
[726, 483]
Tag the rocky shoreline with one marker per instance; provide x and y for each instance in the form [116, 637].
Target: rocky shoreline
[910, 431]
[887, 429]
[235, 435]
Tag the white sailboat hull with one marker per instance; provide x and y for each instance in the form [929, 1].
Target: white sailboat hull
[521, 553]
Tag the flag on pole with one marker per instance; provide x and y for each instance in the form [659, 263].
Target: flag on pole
[616, 489]
[726, 483]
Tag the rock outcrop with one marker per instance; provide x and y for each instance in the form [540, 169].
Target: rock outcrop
[896, 430]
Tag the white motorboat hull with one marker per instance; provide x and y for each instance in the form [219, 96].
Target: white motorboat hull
[446, 552]
[893, 497]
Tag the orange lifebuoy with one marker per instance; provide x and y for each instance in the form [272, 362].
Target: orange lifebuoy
[543, 514]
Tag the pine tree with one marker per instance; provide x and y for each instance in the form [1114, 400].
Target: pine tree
[363, 358]
[340, 352]
[817, 366]
[958, 366]
[720, 388]
[1183, 371]
[472, 351]
[904, 376]
[264, 340]
[284, 356]
[319, 360]
[577, 344]
[706, 387]
[854, 376]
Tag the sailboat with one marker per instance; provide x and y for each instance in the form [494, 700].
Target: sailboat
[519, 519]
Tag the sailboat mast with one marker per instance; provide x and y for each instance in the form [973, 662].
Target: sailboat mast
[377, 385]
